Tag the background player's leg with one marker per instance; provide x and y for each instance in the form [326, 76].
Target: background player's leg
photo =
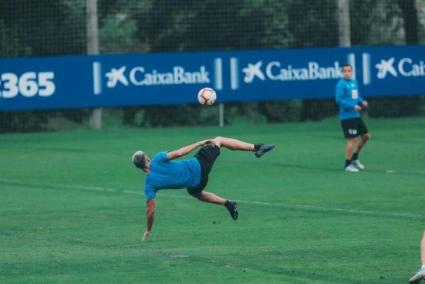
[349, 149]
[363, 139]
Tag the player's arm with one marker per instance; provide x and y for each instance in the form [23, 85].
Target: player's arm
[150, 212]
[184, 150]
[362, 103]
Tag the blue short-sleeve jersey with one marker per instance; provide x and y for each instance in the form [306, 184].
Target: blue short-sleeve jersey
[175, 174]
[347, 97]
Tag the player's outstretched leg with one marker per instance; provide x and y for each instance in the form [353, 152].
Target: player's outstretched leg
[234, 144]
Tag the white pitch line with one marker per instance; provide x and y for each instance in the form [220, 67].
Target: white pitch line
[304, 207]
[335, 209]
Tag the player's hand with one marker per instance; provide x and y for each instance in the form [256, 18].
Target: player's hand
[365, 104]
[357, 108]
[145, 235]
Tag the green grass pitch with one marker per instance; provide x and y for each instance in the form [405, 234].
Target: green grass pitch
[72, 208]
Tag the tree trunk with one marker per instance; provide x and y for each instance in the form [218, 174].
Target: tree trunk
[420, 8]
[95, 120]
[343, 17]
[410, 20]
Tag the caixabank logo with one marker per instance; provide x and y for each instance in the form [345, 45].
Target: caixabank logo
[405, 67]
[123, 76]
[284, 71]
[278, 71]
[391, 68]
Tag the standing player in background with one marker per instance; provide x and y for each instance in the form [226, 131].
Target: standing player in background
[420, 275]
[350, 104]
[164, 173]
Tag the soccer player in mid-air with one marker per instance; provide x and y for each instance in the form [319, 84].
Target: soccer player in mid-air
[420, 275]
[164, 172]
[350, 104]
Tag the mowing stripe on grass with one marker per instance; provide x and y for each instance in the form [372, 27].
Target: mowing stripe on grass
[301, 207]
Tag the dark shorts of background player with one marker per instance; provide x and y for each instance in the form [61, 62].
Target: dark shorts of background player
[353, 127]
[206, 157]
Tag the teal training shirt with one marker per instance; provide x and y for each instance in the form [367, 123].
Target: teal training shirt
[176, 174]
[347, 97]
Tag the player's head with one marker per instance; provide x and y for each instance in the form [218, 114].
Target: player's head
[347, 71]
[141, 160]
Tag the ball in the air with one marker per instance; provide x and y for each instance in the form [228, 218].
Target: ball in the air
[207, 96]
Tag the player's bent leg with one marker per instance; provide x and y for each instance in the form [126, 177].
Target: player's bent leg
[212, 198]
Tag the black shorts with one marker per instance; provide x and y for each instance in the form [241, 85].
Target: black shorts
[353, 127]
[206, 157]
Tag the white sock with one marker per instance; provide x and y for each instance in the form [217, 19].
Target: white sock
[423, 266]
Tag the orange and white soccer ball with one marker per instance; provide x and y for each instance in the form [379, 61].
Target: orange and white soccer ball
[207, 96]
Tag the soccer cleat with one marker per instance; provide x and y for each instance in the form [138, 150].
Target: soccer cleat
[263, 148]
[231, 206]
[357, 164]
[420, 275]
[351, 168]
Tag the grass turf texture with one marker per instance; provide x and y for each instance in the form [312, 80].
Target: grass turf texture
[72, 208]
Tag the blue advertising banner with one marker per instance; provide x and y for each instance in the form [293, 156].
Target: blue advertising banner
[175, 78]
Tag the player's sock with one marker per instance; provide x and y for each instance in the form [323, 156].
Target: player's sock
[355, 157]
[347, 163]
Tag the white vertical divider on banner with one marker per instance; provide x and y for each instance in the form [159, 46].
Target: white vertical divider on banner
[234, 82]
[366, 68]
[218, 85]
[351, 58]
[97, 78]
[234, 74]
